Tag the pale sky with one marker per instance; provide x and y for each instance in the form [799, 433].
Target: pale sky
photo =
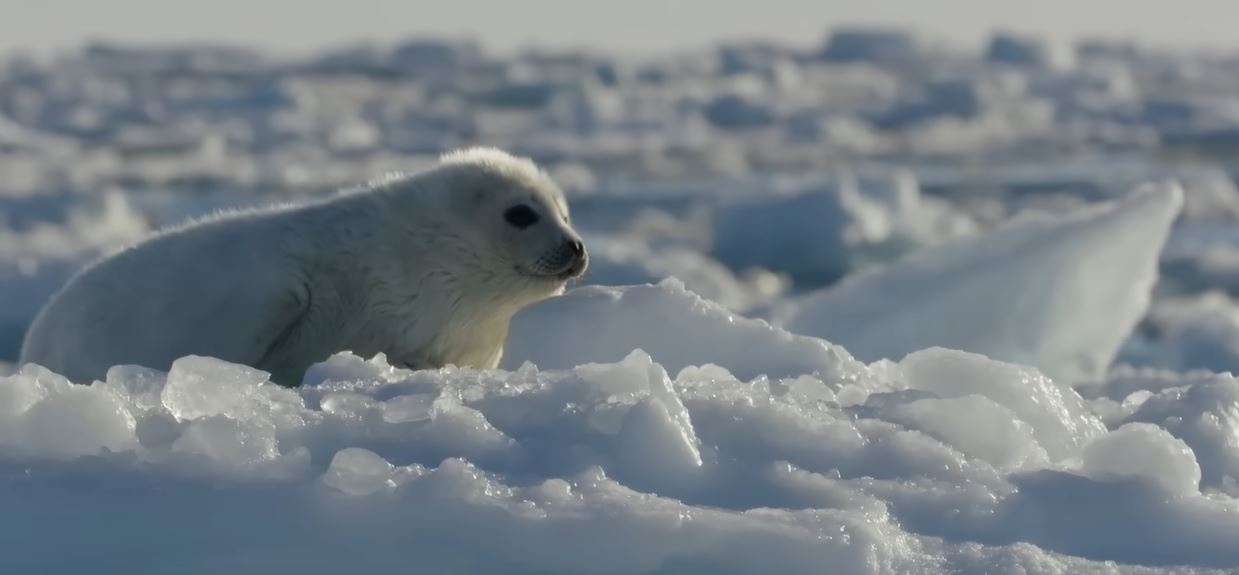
[641, 27]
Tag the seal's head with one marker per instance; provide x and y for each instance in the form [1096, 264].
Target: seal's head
[508, 220]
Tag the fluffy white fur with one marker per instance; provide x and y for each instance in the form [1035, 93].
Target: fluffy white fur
[423, 267]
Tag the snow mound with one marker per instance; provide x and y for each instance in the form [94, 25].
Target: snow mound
[1146, 451]
[947, 462]
[605, 324]
[1203, 412]
[1059, 293]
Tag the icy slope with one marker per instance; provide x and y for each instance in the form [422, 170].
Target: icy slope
[1060, 293]
[945, 463]
[677, 327]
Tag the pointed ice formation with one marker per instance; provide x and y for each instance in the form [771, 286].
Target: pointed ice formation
[1058, 293]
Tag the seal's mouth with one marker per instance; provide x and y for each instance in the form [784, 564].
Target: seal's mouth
[573, 269]
[562, 264]
[577, 269]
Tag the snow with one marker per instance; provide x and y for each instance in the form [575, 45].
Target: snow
[1203, 415]
[1059, 293]
[623, 467]
[1144, 451]
[755, 377]
[605, 324]
[711, 441]
[1060, 423]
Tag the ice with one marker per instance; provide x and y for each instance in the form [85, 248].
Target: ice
[202, 386]
[1017, 50]
[1144, 451]
[935, 467]
[1204, 413]
[1056, 413]
[235, 448]
[46, 416]
[615, 261]
[357, 471]
[601, 324]
[991, 432]
[420, 407]
[1059, 293]
[818, 231]
[623, 468]
[885, 46]
[652, 428]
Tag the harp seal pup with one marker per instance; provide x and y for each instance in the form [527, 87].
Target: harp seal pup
[428, 268]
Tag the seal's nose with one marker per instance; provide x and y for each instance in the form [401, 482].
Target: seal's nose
[580, 259]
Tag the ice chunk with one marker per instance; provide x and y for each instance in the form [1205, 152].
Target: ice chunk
[1204, 413]
[1145, 451]
[656, 434]
[357, 471]
[80, 420]
[418, 407]
[676, 327]
[142, 387]
[345, 366]
[653, 441]
[1058, 293]
[27, 387]
[202, 386]
[1056, 413]
[42, 413]
[990, 432]
[229, 447]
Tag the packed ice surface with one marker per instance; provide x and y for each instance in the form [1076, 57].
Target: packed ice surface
[753, 172]
[1059, 293]
[946, 462]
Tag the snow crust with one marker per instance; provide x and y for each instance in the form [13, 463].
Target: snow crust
[945, 462]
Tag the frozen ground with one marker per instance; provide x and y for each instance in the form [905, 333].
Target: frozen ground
[876, 192]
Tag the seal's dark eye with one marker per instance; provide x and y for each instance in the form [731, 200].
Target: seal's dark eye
[521, 216]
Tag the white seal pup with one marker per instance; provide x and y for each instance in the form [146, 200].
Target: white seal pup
[427, 268]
